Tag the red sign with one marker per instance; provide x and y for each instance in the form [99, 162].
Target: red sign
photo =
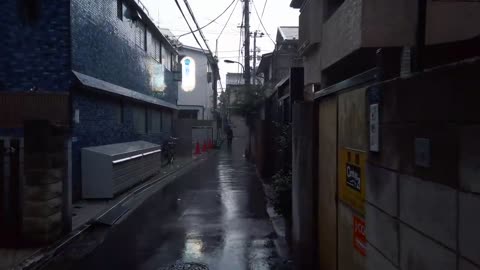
[359, 237]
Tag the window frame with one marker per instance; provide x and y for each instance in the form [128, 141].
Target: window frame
[120, 10]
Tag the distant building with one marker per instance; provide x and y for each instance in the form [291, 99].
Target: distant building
[235, 83]
[275, 68]
[197, 94]
[109, 56]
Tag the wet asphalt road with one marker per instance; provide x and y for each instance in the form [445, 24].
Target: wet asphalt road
[214, 215]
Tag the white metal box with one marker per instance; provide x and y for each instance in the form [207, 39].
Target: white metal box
[108, 170]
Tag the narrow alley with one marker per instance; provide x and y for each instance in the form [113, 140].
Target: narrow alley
[214, 216]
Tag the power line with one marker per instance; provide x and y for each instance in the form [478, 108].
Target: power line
[263, 11]
[229, 17]
[263, 26]
[221, 14]
[189, 27]
[198, 27]
[264, 6]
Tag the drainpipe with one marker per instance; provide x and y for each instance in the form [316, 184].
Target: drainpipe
[419, 59]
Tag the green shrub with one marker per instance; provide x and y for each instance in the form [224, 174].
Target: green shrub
[282, 197]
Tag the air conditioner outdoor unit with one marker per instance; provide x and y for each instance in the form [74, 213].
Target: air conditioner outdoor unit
[108, 170]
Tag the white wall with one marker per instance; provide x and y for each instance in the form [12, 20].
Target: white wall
[202, 94]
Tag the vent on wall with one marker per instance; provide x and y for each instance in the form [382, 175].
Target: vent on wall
[29, 10]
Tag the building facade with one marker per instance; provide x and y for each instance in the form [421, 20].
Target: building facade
[339, 38]
[275, 69]
[115, 64]
[197, 93]
[379, 163]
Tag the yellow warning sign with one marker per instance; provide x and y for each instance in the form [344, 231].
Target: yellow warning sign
[352, 178]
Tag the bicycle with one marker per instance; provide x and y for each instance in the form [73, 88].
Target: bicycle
[168, 150]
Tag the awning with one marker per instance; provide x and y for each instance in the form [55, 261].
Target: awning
[120, 91]
[282, 82]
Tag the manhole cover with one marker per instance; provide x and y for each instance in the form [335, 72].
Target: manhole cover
[186, 266]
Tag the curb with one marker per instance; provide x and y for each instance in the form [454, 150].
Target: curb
[43, 256]
[278, 224]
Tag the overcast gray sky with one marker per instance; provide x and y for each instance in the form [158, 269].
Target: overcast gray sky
[277, 13]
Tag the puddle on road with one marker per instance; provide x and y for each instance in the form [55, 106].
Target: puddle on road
[186, 266]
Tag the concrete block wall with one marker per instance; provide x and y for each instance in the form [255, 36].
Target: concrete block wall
[422, 206]
[422, 196]
[45, 174]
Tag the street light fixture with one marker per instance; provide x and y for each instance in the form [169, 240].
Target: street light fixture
[235, 62]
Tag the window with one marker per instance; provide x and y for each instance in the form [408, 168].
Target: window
[166, 58]
[167, 121]
[119, 113]
[155, 125]
[157, 50]
[140, 120]
[140, 36]
[120, 9]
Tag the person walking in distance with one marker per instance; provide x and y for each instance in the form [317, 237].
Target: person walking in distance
[229, 135]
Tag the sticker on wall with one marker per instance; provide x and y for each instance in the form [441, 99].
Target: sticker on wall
[359, 236]
[351, 178]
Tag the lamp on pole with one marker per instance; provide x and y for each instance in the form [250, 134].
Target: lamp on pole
[235, 62]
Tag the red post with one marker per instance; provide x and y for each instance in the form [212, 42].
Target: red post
[197, 149]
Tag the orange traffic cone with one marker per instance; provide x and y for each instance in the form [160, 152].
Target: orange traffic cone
[210, 144]
[204, 149]
[197, 149]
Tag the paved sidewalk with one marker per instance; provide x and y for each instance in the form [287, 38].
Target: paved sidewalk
[83, 212]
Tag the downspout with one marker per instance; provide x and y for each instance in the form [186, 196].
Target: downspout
[419, 59]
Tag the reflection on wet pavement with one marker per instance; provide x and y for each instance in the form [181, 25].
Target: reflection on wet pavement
[215, 216]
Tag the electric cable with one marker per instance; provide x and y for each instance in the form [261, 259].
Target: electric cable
[185, 18]
[263, 26]
[264, 6]
[205, 26]
[198, 27]
[229, 17]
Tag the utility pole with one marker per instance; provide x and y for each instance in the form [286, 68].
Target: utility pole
[256, 34]
[255, 57]
[247, 42]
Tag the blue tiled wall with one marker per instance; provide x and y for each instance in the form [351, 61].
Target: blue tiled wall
[86, 36]
[103, 46]
[99, 125]
[37, 53]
